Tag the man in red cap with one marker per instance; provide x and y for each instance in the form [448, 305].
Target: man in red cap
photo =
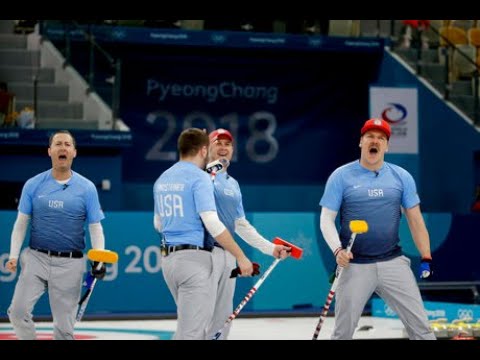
[220, 133]
[376, 191]
[228, 199]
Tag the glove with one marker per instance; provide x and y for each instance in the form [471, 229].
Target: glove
[98, 273]
[236, 271]
[426, 270]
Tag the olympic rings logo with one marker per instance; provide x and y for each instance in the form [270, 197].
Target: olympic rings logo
[465, 314]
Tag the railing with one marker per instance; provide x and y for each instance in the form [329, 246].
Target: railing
[448, 65]
[94, 49]
[448, 84]
[35, 96]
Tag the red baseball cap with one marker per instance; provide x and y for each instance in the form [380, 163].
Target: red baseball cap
[376, 124]
[214, 135]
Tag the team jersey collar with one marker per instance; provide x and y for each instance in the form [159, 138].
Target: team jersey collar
[70, 179]
[379, 171]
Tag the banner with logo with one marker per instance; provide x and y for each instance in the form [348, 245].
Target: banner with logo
[135, 284]
[293, 118]
[399, 107]
[58, 30]
[434, 309]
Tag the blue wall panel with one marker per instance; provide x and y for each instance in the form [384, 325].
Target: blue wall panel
[136, 286]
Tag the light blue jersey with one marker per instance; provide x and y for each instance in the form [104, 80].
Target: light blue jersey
[180, 194]
[229, 197]
[361, 194]
[59, 211]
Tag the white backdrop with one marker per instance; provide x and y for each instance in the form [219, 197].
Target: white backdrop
[399, 107]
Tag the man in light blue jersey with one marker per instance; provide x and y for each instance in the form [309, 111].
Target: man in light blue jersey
[228, 199]
[58, 202]
[184, 211]
[378, 192]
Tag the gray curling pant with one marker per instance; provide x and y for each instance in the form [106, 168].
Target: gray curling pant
[189, 277]
[224, 263]
[394, 282]
[62, 277]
